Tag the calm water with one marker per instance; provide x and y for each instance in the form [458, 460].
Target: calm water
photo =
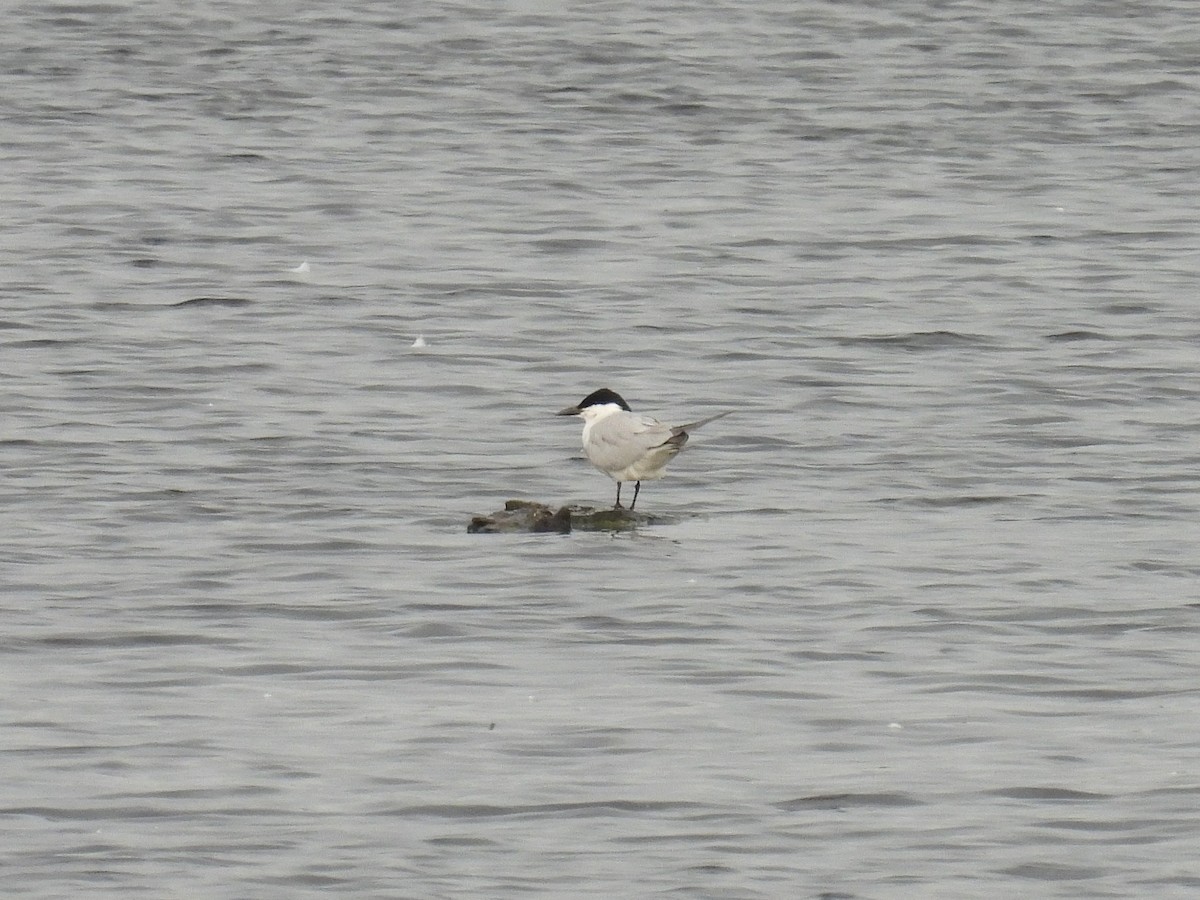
[923, 619]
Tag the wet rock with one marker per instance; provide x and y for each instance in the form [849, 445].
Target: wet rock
[531, 517]
[523, 516]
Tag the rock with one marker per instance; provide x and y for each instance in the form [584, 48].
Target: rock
[531, 517]
[523, 515]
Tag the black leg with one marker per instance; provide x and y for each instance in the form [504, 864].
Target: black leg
[637, 487]
[618, 506]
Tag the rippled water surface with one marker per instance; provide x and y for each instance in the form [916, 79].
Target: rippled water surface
[921, 617]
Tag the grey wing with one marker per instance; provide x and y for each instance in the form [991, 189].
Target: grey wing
[620, 441]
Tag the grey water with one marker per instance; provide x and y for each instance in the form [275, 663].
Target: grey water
[920, 618]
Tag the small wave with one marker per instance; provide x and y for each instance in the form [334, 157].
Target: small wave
[886, 799]
[213, 301]
[581, 809]
[1047, 793]
[917, 340]
[1068, 336]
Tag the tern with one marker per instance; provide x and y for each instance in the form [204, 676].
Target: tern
[627, 446]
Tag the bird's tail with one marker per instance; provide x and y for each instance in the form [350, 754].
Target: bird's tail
[691, 426]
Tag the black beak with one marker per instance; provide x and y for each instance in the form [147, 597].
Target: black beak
[569, 411]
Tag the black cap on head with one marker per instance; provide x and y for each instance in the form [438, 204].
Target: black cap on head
[601, 397]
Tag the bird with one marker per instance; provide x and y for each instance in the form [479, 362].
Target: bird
[627, 446]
